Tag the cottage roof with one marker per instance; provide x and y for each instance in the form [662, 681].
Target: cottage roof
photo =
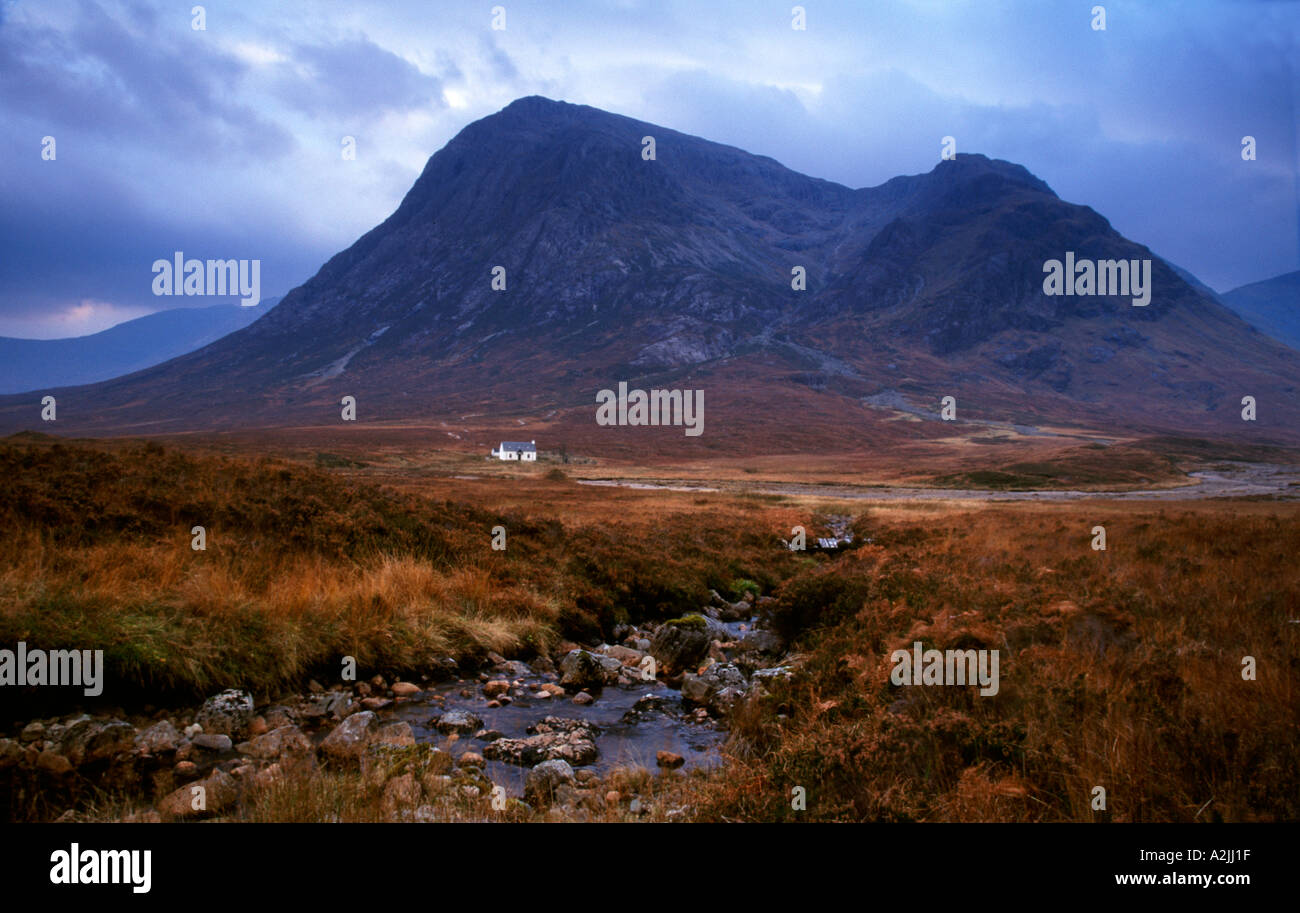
[526, 446]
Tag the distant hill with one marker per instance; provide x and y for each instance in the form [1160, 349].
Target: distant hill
[1271, 306]
[42, 364]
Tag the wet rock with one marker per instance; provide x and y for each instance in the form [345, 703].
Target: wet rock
[512, 669]
[581, 670]
[489, 735]
[330, 704]
[471, 759]
[497, 687]
[495, 658]
[228, 713]
[541, 782]
[543, 666]
[349, 740]
[460, 721]
[219, 792]
[669, 759]
[718, 687]
[582, 698]
[376, 703]
[679, 645]
[32, 732]
[553, 738]
[551, 688]
[405, 689]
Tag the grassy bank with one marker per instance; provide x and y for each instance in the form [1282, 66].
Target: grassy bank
[303, 567]
[1120, 669]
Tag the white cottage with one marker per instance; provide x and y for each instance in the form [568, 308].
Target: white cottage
[517, 450]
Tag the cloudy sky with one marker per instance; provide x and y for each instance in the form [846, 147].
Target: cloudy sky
[226, 142]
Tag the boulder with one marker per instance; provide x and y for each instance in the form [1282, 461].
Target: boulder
[582, 669]
[228, 713]
[286, 740]
[88, 741]
[349, 740]
[210, 741]
[680, 644]
[542, 781]
[160, 738]
[214, 794]
[718, 687]
[553, 738]
[459, 721]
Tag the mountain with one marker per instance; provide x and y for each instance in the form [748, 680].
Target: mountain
[676, 272]
[1272, 305]
[41, 364]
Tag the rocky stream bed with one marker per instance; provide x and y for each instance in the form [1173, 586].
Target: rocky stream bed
[547, 732]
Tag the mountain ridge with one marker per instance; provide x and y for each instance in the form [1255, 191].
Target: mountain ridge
[679, 269]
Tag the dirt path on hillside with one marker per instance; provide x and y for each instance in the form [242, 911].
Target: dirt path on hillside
[1239, 480]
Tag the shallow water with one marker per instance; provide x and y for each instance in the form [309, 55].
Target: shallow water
[619, 742]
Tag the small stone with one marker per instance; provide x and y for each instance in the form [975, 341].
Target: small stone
[375, 703]
[53, 762]
[612, 797]
[471, 759]
[405, 689]
[582, 698]
[211, 741]
[183, 770]
[493, 705]
[33, 731]
[497, 687]
[669, 759]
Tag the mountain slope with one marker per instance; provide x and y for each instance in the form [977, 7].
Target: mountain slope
[1272, 306]
[40, 364]
[677, 272]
